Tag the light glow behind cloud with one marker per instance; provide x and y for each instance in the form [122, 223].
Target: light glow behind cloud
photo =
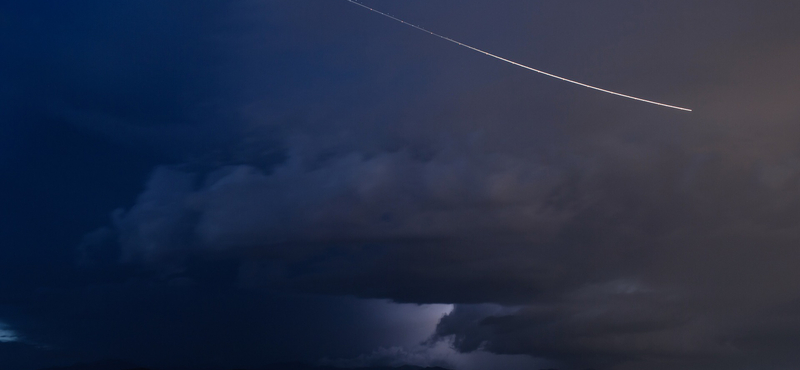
[7, 335]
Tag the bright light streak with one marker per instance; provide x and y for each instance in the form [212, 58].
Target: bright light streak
[518, 64]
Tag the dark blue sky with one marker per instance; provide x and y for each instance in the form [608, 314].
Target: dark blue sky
[225, 184]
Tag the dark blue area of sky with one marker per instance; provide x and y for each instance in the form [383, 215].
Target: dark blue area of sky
[64, 183]
[139, 70]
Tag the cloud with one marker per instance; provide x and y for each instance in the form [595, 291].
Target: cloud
[634, 252]
[6, 334]
[385, 197]
[394, 357]
[440, 354]
[582, 230]
[368, 211]
[598, 330]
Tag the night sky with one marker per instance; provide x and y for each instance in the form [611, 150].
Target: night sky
[228, 184]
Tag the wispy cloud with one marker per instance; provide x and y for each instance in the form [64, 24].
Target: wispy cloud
[7, 335]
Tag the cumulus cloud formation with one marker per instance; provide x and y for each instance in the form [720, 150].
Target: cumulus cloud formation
[631, 248]
[608, 265]
[593, 235]
[387, 197]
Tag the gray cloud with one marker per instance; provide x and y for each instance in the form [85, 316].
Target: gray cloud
[599, 233]
[6, 334]
[385, 197]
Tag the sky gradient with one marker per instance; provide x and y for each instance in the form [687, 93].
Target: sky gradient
[223, 184]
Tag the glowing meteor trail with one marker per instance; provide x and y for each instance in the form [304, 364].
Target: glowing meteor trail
[518, 64]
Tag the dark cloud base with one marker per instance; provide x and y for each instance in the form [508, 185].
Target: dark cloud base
[122, 365]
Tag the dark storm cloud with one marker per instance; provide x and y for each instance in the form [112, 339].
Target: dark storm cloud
[201, 325]
[334, 153]
[642, 238]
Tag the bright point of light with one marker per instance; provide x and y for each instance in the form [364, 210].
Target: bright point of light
[519, 64]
